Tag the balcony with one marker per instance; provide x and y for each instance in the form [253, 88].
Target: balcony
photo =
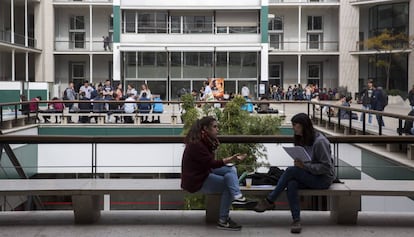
[6, 36]
[302, 1]
[304, 46]
[82, 1]
[81, 46]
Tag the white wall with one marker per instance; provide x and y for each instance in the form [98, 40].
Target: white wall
[112, 158]
[153, 39]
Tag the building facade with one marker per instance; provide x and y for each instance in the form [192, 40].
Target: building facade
[178, 44]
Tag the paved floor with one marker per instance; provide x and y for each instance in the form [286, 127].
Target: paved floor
[191, 223]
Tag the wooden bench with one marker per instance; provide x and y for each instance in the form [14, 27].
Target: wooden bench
[87, 194]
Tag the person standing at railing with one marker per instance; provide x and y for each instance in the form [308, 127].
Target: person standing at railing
[201, 172]
[318, 173]
[366, 96]
[378, 102]
[411, 97]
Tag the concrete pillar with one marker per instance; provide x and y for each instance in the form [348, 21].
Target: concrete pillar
[411, 55]
[344, 209]
[348, 36]
[45, 36]
[86, 208]
[212, 207]
[264, 62]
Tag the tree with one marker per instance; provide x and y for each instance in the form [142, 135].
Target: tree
[388, 45]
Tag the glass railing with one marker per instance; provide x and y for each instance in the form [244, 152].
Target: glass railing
[19, 39]
[188, 28]
[87, 1]
[80, 46]
[303, 1]
[322, 46]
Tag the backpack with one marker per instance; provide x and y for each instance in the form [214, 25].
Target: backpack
[65, 94]
[385, 97]
[157, 107]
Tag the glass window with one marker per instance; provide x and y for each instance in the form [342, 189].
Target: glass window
[158, 88]
[129, 22]
[276, 40]
[77, 23]
[314, 70]
[221, 64]
[276, 24]
[198, 24]
[314, 23]
[152, 22]
[314, 41]
[243, 65]
[176, 88]
[274, 70]
[314, 73]
[198, 64]
[152, 65]
[131, 64]
[384, 16]
[175, 69]
[175, 24]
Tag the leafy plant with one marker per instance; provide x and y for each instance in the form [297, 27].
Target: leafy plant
[233, 120]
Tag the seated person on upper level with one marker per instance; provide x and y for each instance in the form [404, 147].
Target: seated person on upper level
[98, 107]
[144, 108]
[129, 107]
[53, 107]
[84, 108]
[264, 108]
[346, 114]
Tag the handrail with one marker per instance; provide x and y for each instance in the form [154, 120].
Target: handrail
[47, 139]
[364, 112]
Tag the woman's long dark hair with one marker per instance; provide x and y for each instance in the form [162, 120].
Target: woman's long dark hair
[194, 135]
[308, 134]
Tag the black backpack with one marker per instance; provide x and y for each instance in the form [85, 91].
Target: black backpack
[269, 178]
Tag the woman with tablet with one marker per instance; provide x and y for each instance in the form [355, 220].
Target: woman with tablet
[318, 173]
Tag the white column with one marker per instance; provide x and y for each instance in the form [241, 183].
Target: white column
[27, 67]
[348, 36]
[299, 68]
[26, 34]
[411, 55]
[116, 59]
[12, 21]
[264, 62]
[90, 68]
[13, 65]
[90, 29]
[299, 27]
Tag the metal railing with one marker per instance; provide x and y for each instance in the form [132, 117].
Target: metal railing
[312, 111]
[295, 46]
[81, 46]
[303, 1]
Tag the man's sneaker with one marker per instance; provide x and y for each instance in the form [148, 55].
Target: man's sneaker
[229, 224]
[296, 227]
[264, 205]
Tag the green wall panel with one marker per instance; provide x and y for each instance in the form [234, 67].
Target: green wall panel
[7, 96]
[117, 24]
[264, 23]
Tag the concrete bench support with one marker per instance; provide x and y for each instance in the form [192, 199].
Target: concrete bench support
[410, 151]
[344, 209]
[86, 208]
[212, 207]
